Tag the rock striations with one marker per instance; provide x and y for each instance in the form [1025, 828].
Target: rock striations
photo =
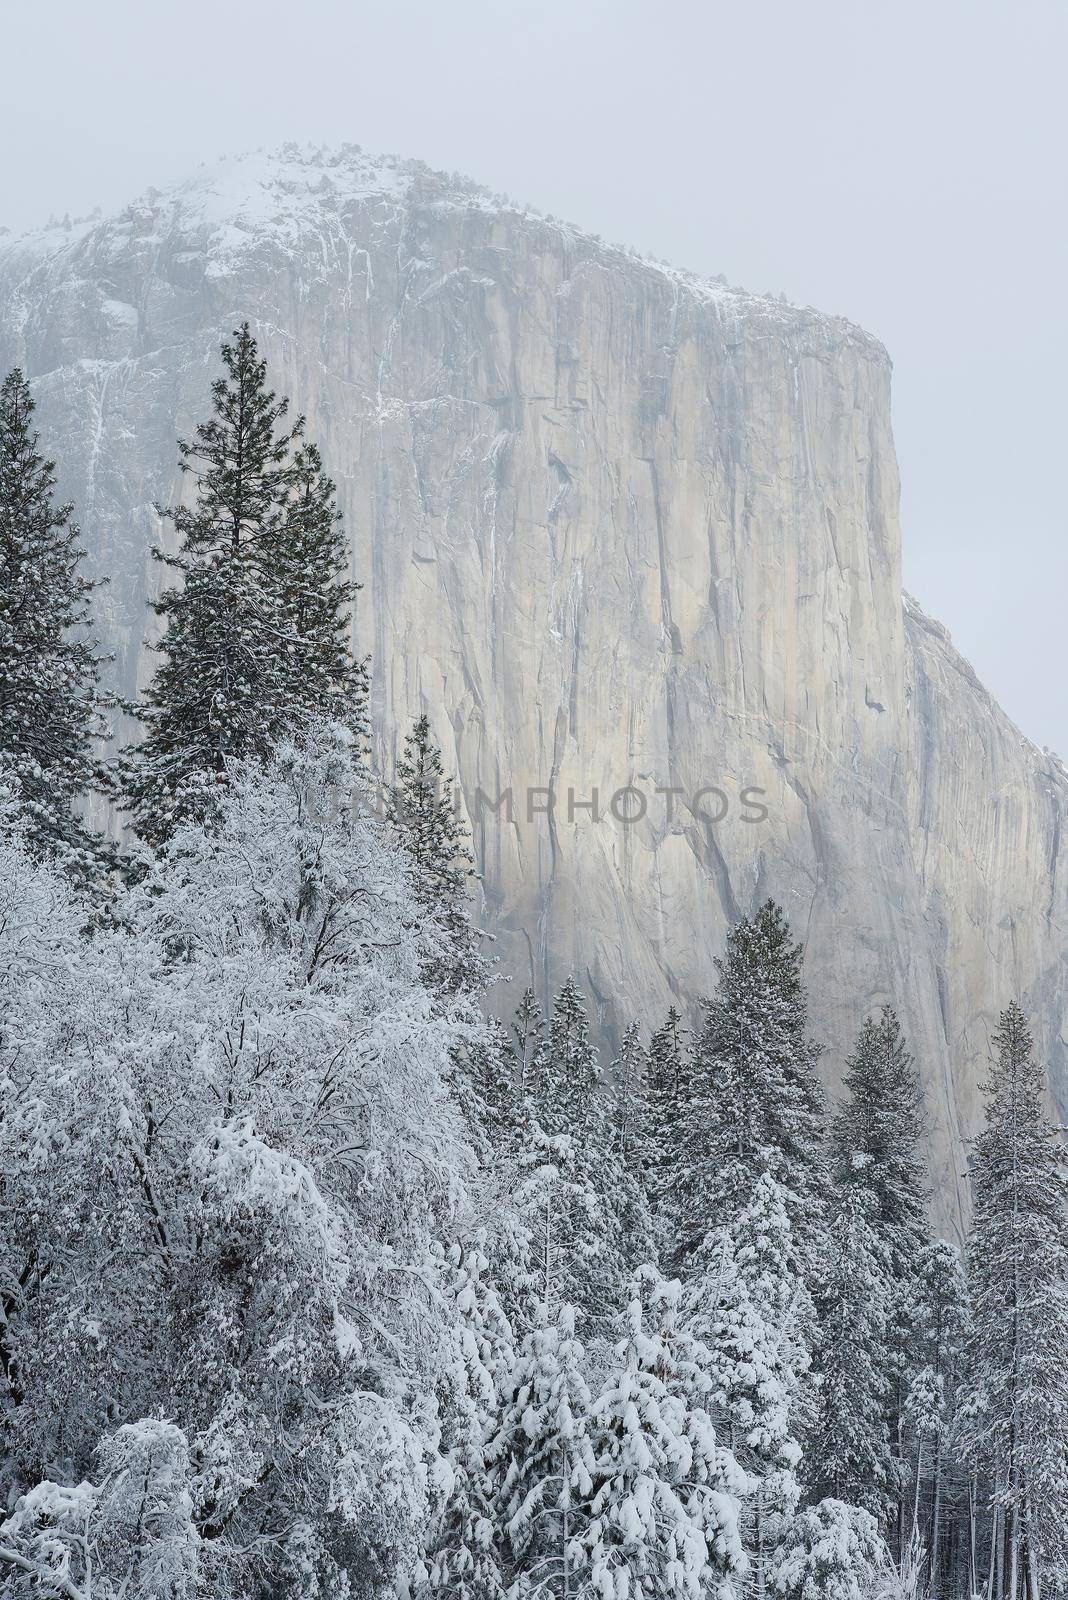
[619, 530]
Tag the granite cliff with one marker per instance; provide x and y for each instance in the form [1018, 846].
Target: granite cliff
[619, 529]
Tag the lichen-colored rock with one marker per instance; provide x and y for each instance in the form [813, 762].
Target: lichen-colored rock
[616, 527]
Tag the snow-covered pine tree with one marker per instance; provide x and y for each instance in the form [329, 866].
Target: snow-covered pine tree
[528, 1043]
[831, 1551]
[625, 1190]
[665, 1510]
[564, 1225]
[848, 1449]
[51, 706]
[941, 1509]
[255, 644]
[543, 1460]
[665, 1094]
[421, 810]
[569, 1097]
[1015, 1411]
[876, 1138]
[461, 1555]
[746, 1306]
[754, 1101]
[317, 595]
[425, 822]
[576, 1112]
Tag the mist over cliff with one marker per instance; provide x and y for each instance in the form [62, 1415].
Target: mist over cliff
[632, 540]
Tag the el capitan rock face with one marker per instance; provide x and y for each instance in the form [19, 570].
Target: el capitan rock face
[616, 527]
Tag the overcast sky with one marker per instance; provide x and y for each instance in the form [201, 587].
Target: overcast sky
[898, 162]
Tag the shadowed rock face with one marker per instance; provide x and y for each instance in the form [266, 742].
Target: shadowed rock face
[616, 527]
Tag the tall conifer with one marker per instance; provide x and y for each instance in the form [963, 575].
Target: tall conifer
[1016, 1401]
[256, 638]
[50, 700]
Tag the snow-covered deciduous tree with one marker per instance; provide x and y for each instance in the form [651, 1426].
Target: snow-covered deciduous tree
[51, 705]
[665, 1509]
[1015, 1406]
[256, 643]
[241, 1141]
[130, 1533]
[543, 1462]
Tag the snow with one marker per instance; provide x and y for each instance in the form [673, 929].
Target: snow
[337, 199]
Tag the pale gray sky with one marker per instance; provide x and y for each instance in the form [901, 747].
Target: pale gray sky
[901, 162]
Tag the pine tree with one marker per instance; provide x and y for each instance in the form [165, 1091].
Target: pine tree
[941, 1331]
[666, 1090]
[664, 1514]
[568, 1096]
[528, 1035]
[876, 1144]
[426, 822]
[624, 1184]
[316, 598]
[566, 1226]
[754, 1102]
[50, 701]
[255, 645]
[1016, 1403]
[849, 1446]
[460, 1555]
[572, 1106]
[831, 1550]
[543, 1459]
[745, 1305]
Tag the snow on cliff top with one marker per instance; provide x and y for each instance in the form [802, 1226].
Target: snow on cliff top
[286, 196]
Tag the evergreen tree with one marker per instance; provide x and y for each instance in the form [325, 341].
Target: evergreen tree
[566, 1229]
[1016, 1404]
[528, 1035]
[940, 1494]
[316, 599]
[50, 700]
[664, 1514]
[849, 1447]
[746, 1307]
[601, 1134]
[831, 1551]
[255, 645]
[876, 1144]
[543, 1460]
[569, 1097]
[628, 1153]
[460, 1556]
[666, 1090]
[754, 1102]
[425, 819]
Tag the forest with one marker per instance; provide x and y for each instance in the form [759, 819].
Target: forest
[318, 1280]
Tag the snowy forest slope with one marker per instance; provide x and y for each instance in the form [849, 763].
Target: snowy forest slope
[616, 526]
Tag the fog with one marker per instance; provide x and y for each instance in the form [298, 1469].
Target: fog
[900, 164]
